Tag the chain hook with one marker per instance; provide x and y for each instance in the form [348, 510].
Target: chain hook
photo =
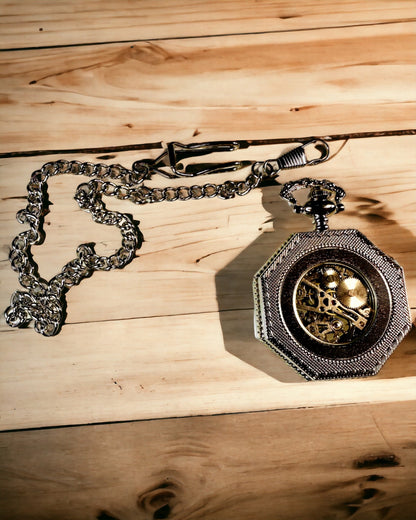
[320, 145]
[297, 157]
[175, 153]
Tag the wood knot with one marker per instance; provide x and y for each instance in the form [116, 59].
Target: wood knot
[388, 460]
[159, 500]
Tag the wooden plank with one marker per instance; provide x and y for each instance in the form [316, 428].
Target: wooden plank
[200, 244]
[52, 22]
[153, 330]
[168, 368]
[240, 87]
[346, 462]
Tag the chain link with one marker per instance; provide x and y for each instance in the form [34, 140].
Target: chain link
[44, 302]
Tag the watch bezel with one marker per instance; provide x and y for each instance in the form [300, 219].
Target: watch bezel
[272, 329]
[355, 261]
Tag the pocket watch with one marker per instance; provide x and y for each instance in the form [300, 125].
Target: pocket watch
[329, 302]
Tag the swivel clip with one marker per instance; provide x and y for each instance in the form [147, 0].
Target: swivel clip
[297, 158]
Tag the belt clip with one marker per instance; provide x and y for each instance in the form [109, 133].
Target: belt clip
[175, 155]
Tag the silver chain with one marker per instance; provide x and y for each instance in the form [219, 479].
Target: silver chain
[43, 301]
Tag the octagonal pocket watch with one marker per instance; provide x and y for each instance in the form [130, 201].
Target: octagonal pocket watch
[329, 301]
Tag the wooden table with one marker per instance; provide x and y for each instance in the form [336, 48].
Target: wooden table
[155, 400]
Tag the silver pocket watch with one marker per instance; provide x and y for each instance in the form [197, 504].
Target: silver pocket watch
[329, 301]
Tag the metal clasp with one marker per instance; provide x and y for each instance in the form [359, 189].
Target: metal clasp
[175, 154]
[173, 161]
[297, 158]
[320, 145]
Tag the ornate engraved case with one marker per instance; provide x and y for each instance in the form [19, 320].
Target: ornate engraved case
[329, 301]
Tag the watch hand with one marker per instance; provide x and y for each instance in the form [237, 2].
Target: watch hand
[328, 303]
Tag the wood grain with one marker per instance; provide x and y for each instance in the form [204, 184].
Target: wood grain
[200, 244]
[57, 22]
[177, 321]
[171, 335]
[241, 87]
[336, 463]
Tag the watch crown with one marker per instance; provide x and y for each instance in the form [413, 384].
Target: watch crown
[324, 199]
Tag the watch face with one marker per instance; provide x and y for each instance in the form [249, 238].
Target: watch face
[334, 303]
[331, 304]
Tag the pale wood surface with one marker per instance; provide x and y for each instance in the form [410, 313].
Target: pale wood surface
[59, 22]
[171, 334]
[335, 463]
[177, 321]
[233, 87]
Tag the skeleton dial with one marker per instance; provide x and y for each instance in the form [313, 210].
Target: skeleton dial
[334, 303]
